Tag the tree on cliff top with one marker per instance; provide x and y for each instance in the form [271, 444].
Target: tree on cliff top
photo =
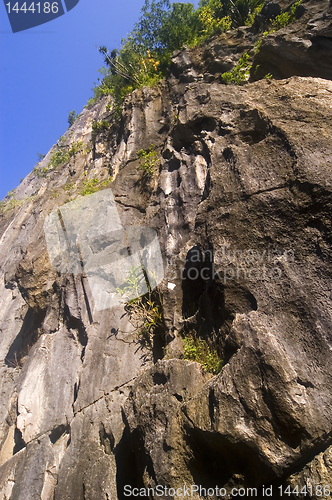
[162, 28]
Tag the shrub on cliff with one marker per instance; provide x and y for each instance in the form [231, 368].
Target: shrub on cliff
[238, 11]
[145, 55]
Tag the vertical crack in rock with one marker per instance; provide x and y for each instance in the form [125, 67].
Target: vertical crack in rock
[128, 471]
[26, 338]
[83, 275]
[58, 432]
[106, 439]
[19, 441]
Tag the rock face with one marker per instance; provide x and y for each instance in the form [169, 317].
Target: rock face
[303, 48]
[241, 201]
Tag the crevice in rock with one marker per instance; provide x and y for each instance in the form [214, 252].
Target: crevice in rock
[106, 439]
[203, 297]
[126, 205]
[19, 441]
[247, 196]
[229, 156]
[193, 283]
[185, 134]
[129, 463]
[254, 127]
[286, 145]
[305, 383]
[308, 456]
[73, 323]
[103, 396]
[86, 300]
[173, 164]
[58, 432]
[224, 129]
[207, 187]
[231, 346]
[213, 408]
[285, 426]
[159, 343]
[218, 460]
[205, 152]
[26, 338]
[209, 304]
[178, 397]
[76, 389]
[160, 378]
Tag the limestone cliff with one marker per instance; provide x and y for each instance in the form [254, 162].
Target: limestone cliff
[241, 200]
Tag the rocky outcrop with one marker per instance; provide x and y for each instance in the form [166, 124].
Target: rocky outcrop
[241, 202]
[302, 48]
[268, 409]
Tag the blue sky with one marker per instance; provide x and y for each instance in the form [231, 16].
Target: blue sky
[48, 71]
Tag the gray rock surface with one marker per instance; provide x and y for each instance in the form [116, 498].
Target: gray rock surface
[241, 202]
[302, 48]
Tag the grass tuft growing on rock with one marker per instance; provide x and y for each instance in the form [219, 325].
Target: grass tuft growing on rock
[145, 311]
[196, 349]
[286, 18]
[62, 153]
[240, 73]
[148, 159]
[93, 185]
[6, 206]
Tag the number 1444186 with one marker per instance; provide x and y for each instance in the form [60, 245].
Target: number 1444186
[34, 7]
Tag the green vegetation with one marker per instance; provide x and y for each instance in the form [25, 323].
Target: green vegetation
[254, 12]
[150, 312]
[258, 44]
[54, 193]
[98, 128]
[40, 172]
[68, 187]
[93, 185]
[240, 12]
[62, 153]
[196, 349]
[164, 27]
[89, 186]
[240, 73]
[145, 311]
[285, 18]
[6, 206]
[277, 23]
[133, 284]
[148, 161]
[72, 117]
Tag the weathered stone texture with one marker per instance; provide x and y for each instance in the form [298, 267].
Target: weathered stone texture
[244, 179]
